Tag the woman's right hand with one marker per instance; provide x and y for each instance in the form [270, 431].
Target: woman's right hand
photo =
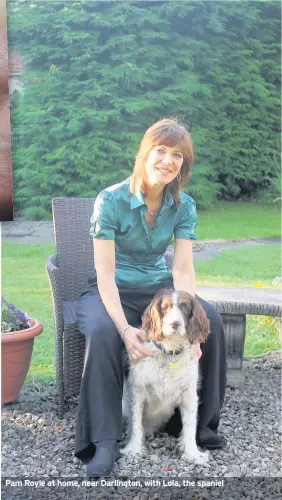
[134, 347]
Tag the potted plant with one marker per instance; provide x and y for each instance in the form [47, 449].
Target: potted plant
[17, 339]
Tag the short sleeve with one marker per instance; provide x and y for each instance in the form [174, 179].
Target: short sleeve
[103, 220]
[186, 220]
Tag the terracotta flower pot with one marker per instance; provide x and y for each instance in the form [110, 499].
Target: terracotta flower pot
[16, 354]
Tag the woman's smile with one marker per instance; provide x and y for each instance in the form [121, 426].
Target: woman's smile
[164, 170]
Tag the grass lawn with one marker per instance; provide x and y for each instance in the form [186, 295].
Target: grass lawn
[239, 220]
[249, 266]
[25, 284]
[253, 267]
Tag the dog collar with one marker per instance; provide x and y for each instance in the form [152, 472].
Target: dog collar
[175, 352]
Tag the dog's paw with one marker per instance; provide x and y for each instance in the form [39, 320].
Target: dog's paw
[133, 449]
[197, 457]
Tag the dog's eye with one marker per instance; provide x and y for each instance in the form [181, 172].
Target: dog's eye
[164, 307]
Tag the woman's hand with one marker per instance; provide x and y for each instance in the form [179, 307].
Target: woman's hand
[134, 347]
[197, 351]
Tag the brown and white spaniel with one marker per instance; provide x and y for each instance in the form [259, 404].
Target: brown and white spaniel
[174, 322]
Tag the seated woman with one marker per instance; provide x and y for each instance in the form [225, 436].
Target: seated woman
[132, 225]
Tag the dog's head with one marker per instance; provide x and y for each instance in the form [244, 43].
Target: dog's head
[175, 314]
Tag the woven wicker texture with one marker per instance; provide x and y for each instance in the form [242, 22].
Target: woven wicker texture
[75, 260]
[74, 245]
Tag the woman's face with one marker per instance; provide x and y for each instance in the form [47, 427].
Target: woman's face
[163, 164]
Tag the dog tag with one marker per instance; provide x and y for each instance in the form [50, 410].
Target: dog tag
[174, 366]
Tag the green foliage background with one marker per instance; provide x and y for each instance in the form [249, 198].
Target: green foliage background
[98, 74]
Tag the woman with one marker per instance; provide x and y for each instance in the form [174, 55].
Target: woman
[132, 225]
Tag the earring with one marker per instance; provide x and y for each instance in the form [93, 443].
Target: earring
[178, 177]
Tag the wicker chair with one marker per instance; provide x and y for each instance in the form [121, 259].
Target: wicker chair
[68, 272]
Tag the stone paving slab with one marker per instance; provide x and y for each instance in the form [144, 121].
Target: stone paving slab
[27, 231]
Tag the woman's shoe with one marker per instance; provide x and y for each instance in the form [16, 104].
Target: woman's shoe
[212, 442]
[102, 464]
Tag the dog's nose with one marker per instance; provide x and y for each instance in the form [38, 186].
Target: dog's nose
[175, 325]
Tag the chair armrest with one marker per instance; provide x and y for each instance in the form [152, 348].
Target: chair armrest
[57, 297]
[51, 263]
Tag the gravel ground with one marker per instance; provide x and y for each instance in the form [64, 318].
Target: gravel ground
[36, 445]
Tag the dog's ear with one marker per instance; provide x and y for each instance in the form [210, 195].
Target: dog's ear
[198, 325]
[152, 322]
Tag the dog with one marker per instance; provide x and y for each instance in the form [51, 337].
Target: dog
[174, 322]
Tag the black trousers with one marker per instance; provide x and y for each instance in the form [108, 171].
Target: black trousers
[99, 412]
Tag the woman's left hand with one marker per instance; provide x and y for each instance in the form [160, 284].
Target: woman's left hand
[197, 351]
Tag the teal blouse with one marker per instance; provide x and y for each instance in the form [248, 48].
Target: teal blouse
[120, 216]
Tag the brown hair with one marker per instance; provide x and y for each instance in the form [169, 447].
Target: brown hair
[169, 133]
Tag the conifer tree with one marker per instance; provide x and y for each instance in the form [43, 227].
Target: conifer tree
[98, 74]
